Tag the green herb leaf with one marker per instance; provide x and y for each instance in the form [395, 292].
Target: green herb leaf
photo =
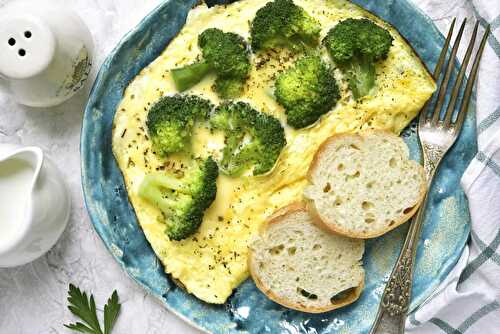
[111, 310]
[84, 308]
[79, 327]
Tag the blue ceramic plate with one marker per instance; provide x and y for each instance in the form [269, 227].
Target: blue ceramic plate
[248, 311]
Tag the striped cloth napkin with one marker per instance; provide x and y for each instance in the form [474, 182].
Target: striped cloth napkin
[468, 301]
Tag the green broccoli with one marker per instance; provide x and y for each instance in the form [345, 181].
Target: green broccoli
[356, 45]
[228, 87]
[252, 138]
[281, 23]
[224, 53]
[184, 199]
[189, 75]
[307, 90]
[171, 119]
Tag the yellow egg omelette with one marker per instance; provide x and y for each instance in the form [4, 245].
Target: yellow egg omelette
[213, 261]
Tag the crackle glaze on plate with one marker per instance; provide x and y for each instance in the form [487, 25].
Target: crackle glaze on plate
[444, 234]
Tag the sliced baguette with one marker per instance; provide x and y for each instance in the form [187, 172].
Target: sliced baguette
[364, 185]
[303, 267]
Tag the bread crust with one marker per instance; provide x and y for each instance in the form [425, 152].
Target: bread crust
[322, 221]
[276, 218]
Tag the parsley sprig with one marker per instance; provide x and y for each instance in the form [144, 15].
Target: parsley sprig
[84, 308]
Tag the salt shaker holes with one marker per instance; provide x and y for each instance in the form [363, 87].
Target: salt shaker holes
[11, 41]
[22, 52]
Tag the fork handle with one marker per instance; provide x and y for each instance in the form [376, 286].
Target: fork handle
[395, 302]
[391, 315]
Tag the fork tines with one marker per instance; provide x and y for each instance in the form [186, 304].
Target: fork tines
[434, 117]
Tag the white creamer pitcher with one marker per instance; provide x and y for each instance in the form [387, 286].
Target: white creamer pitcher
[34, 204]
[45, 52]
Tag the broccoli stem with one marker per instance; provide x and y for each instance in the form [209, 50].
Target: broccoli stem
[360, 73]
[229, 165]
[150, 189]
[189, 75]
[165, 181]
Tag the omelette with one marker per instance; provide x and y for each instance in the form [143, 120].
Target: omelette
[213, 261]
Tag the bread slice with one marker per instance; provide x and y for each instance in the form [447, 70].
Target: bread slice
[364, 185]
[303, 267]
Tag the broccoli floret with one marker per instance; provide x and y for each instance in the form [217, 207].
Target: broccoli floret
[224, 53]
[281, 23]
[252, 138]
[307, 90]
[356, 45]
[228, 88]
[184, 199]
[170, 121]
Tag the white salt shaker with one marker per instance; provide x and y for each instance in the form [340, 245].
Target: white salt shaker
[45, 52]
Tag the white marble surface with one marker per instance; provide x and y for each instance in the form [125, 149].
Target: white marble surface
[33, 297]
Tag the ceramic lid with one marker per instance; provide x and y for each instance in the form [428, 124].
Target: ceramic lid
[27, 45]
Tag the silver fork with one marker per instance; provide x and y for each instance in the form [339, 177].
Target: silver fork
[436, 134]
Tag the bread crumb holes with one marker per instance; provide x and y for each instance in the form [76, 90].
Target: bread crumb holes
[276, 250]
[367, 205]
